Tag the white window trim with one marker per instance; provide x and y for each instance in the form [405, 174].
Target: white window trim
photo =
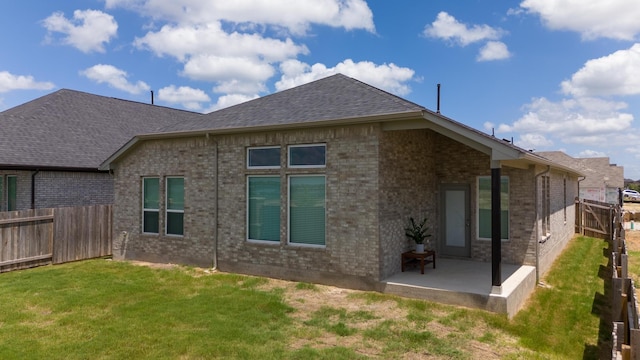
[289, 212]
[149, 209]
[478, 209]
[306, 166]
[262, 147]
[166, 207]
[272, 242]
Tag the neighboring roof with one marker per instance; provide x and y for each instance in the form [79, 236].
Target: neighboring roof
[336, 97]
[597, 171]
[69, 129]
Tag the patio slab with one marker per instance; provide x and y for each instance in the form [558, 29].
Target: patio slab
[466, 283]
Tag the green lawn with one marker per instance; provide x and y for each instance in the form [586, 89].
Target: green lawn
[103, 309]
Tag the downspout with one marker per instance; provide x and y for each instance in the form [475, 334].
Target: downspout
[537, 223]
[33, 188]
[215, 217]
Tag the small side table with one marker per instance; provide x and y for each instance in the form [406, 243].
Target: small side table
[429, 256]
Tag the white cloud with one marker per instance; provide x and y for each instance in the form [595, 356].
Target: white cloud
[615, 74]
[228, 69]
[189, 97]
[572, 121]
[9, 82]
[183, 42]
[533, 141]
[613, 19]
[294, 16]
[88, 31]
[389, 77]
[115, 77]
[494, 50]
[446, 27]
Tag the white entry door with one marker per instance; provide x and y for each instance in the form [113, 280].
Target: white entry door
[455, 220]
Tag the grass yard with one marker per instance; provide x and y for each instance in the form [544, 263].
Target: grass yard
[103, 309]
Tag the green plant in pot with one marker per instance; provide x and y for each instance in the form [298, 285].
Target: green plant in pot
[418, 232]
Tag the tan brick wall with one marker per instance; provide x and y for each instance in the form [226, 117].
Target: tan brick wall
[351, 252]
[375, 180]
[193, 158]
[562, 227]
[407, 189]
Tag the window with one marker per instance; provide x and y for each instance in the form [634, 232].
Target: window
[150, 205]
[307, 156]
[307, 210]
[263, 204]
[546, 206]
[175, 206]
[484, 207]
[12, 192]
[564, 198]
[263, 157]
[1, 193]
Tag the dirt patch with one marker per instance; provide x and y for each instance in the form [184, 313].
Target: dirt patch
[632, 238]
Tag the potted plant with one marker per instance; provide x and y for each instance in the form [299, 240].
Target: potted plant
[417, 232]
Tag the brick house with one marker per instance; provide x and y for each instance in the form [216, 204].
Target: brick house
[602, 180]
[316, 183]
[51, 147]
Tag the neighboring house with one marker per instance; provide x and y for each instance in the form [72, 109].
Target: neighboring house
[602, 180]
[316, 183]
[51, 147]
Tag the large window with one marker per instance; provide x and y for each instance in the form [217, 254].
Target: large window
[484, 207]
[175, 206]
[267, 157]
[307, 210]
[150, 205]
[263, 204]
[12, 192]
[307, 156]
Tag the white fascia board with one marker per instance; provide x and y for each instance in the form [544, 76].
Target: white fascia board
[484, 143]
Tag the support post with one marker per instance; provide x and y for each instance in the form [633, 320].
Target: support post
[496, 242]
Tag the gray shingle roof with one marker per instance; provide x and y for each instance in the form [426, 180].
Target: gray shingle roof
[72, 129]
[331, 98]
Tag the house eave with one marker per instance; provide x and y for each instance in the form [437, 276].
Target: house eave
[35, 167]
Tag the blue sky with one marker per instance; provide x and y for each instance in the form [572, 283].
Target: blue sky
[551, 74]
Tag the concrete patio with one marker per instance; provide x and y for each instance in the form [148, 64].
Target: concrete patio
[465, 283]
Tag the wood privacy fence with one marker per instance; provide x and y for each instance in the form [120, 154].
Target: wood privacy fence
[624, 305]
[595, 219]
[37, 237]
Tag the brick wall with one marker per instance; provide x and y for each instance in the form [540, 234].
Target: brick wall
[59, 189]
[562, 227]
[407, 189]
[351, 254]
[375, 180]
[193, 158]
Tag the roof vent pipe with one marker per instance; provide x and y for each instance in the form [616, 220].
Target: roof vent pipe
[151, 97]
[438, 105]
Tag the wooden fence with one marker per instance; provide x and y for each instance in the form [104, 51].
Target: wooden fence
[53, 236]
[624, 305]
[595, 219]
